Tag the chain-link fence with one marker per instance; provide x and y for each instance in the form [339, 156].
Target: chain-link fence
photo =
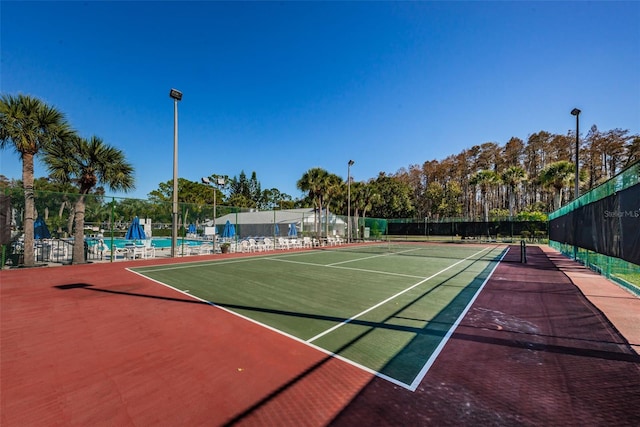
[107, 219]
[601, 229]
[498, 230]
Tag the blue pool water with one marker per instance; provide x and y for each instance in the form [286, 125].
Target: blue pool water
[158, 242]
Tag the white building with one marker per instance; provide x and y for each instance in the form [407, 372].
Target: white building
[278, 222]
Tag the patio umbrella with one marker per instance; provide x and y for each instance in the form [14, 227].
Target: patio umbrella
[226, 232]
[293, 232]
[276, 229]
[40, 230]
[192, 229]
[135, 231]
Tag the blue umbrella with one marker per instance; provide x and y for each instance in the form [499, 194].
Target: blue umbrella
[293, 232]
[135, 231]
[276, 229]
[40, 230]
[192, 229]
[226, 232]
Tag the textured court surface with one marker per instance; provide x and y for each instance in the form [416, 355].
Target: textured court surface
[99, 345]
[385, 308]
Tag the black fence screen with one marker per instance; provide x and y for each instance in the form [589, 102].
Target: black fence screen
[609, 226]
[470, 229]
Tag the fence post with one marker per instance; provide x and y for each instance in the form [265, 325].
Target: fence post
[111, 225]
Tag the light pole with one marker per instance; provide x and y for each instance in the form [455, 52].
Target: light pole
[218, 181]
[351, 162]
[176, 95]
[576, 112]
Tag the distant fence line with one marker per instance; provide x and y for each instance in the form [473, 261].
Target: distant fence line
[110, 215]
[471, 229]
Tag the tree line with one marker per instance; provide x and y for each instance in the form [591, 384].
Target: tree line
[519, 177]
[520, 180]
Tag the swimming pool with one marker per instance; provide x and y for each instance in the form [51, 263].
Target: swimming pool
[157, 242]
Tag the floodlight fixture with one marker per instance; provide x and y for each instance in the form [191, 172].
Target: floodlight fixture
[175, 94]
[219, 180]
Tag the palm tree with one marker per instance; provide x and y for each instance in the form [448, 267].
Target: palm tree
[557, 175]
[485, 179]
[364, 196]
[30, 126]
[313, 181]
[512, 177]
[88, 163]
[333, 187]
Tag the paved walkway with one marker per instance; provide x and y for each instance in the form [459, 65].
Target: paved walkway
[620, 306]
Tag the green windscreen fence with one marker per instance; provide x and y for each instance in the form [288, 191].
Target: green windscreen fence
[467, 229]
[602, 228]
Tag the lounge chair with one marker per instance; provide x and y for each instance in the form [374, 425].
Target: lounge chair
[135, 251]
[114, 255]
[244, 246]
[295, 243]
[205, 248]
[254, 246]
[268, 244]
[283, 243]
[306, 242]
[149, 249]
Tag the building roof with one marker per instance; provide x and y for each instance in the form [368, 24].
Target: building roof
[286, 216]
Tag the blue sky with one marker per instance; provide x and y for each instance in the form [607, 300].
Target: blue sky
[281, 87]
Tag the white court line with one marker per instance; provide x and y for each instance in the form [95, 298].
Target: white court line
[418, 379]
[278, 331]
[372, 256]
[279, 257]
[364, 270]
[205, 263]
[411, 387]
[321, 334]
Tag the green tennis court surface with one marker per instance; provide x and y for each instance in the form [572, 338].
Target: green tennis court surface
[387, 308]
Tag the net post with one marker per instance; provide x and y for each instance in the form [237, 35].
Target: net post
[523, 251]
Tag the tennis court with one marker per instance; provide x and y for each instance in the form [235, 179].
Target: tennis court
[336, 337]
[386, 308]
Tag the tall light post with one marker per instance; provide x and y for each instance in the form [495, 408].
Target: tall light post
[176, 95]
[351, 162]
[576, 112]
[218, 181]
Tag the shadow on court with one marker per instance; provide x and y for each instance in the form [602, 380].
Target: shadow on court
[532, 350]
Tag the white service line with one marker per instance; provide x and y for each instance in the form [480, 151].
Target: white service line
[369, 257]
[364, 270]
[200, 263]
[321, 334]
[418, 379]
